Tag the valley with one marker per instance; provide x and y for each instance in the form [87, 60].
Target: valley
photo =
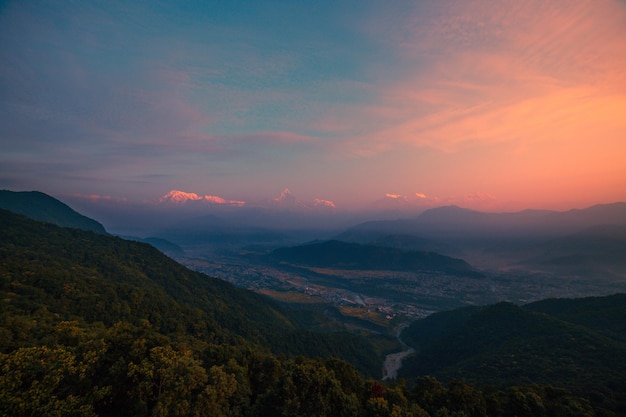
[383, 296]
[327, 322]
[448, 257]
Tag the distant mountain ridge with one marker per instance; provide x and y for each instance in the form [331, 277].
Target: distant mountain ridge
[454, 221]
[346, 255]
[39, 206]
[600, 247]
[169, 248]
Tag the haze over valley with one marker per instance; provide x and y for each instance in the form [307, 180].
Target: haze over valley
[413, 208]
[376, 270]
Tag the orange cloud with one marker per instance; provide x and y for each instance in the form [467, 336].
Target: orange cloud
[490, 72]
[395, 196]
[510, 97]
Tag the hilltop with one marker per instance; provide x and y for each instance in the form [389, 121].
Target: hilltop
[578, 344]
[42, 207]
[347, 255]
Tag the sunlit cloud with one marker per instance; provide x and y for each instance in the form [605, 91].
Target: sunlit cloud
[507, 71]
[97, 197]
[519, 99]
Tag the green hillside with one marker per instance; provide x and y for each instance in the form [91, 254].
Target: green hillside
[93, 325]
[345, 255]
[76, 275]
[42, 207]
[576, 344]
[605, 315]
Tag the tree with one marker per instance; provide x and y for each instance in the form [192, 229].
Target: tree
[42, 381]
[168, 381]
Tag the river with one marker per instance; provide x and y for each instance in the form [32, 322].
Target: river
[393, 361]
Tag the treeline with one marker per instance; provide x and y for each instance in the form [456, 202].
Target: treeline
[128, 370]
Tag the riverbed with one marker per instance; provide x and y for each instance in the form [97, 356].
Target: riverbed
[393, 361]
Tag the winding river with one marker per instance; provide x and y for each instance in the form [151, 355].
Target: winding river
[393, 361]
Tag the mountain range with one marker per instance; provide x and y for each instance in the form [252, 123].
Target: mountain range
[95, 325]
[457, 222]
[586, 242]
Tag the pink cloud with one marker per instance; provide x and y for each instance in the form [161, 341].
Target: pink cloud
[97, 197]
[498, 72]
[522, 99]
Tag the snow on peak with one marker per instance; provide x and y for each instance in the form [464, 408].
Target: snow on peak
[318, 202]
[286, 196]
[182, 197]
[179, 197]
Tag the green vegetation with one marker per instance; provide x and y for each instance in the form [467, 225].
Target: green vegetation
[92, 325]
[575, 344]
[42, 207]
[336, 254]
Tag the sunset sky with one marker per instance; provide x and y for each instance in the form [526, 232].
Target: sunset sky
[492, 105]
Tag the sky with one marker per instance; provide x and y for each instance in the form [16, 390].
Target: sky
[491, 105]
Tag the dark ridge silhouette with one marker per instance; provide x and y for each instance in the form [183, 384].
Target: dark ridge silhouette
[346, 255]
[453, 221]
[39, 206]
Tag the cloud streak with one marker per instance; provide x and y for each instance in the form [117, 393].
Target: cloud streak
[443, 96]
[507, 71]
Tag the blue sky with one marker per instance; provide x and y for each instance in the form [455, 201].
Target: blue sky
[489, 105]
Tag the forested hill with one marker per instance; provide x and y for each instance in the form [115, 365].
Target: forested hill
[93, 325]
[578, 344]
[346, 255]
[76, 275]
[39, 206]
